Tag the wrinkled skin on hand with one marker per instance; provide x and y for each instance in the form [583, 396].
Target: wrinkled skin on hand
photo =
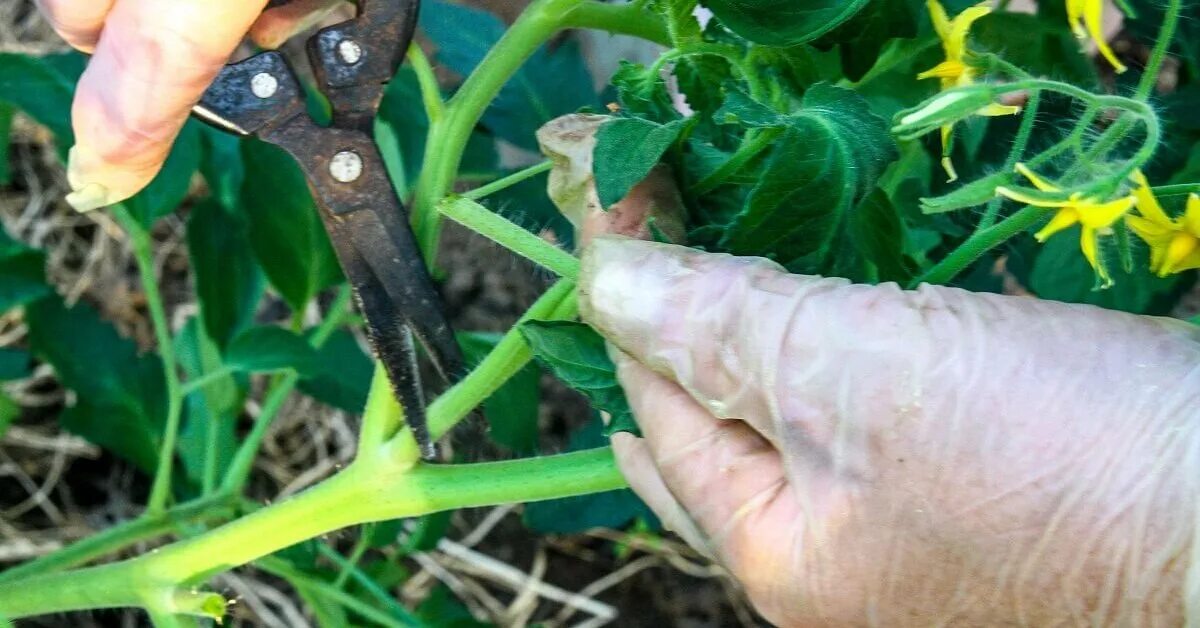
[151, 62]
[862, 455]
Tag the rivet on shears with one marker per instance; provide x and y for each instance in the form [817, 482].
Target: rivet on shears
[264, 85]
[349, 51]
[346, 166]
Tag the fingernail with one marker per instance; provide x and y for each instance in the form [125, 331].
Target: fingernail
[89, 197]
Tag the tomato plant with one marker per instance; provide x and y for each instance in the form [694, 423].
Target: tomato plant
[890, 140]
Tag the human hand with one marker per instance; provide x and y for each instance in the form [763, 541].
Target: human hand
[152, 60]
[864, 455]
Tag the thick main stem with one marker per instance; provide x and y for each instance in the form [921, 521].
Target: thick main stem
[376, 488]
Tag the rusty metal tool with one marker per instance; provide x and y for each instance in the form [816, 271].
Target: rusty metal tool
[353, 61]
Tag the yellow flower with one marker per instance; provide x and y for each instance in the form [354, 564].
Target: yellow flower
[1174, 243]
[1087, 18]
[954, 71]
[1092, 215]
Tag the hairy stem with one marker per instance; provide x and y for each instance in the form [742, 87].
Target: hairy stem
[1161, 45]
[979, 244]
[495, 227]
[509, 181]
[1014, 155]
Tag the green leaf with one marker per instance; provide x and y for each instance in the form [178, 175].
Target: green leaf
[43, 88]
[285, 229]
[644, 93]
[972, 194]
[212, 411]
[228, 282]
[270, 348]
[221, 165]
[442, 609]
[572, 515]
[10, 411]
[547, 85]
[1061, 273]
[627, 149]
[740, 108]
[14, 364]
[121, 402]
[576, 355]
[783, 22]
[1043, 47]
[343, 376]
[170, 186]
[22, 273]
[829, 157]
[879, 233]
[512, 411]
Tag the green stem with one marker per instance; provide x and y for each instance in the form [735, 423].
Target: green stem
[745, 153]
[1165, 36]
[448, 136]
[509, 356]
[509, 181]
[495, 227]
[978, 245]
[243, 459]
[374, 489]
[356, 554]
[1178, 189]
[121, 536]
[382, 417]
[195, 384]
[369, 585]
[333, 593]
[431, 93]
[143, 253]
[1014, 155]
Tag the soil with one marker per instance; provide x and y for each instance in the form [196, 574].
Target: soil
[56, 488]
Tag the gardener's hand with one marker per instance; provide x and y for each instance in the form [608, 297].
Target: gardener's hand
[152, 60]
[862, 455]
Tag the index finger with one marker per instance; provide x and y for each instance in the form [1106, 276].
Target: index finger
[153, 61]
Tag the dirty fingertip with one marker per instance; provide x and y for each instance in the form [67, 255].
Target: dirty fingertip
[623, 287]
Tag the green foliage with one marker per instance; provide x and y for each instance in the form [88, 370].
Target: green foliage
[626, 150]
[170, 186]
[783, 22]
[576, 355]
[286, 233]
[22, 273]
[226, 278]
[42, 87]
[268, 348]
[512, 411]
[343, 374]
[121, 400]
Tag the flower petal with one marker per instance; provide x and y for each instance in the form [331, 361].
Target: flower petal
[1100, 215]
[1191, 217]
[1037, 181]
[956, 43]
[1075, 17]
[949, 69]
[1153, 233]
[941, 21]
[1147, 203]
[1093, 19]
[1089, 244]
[1182, 247]
[1064, 219]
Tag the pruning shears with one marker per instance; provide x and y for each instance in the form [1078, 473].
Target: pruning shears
[353, 61]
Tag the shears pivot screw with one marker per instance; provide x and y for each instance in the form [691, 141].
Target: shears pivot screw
[349, 51]
[346, 166]
[264, 85]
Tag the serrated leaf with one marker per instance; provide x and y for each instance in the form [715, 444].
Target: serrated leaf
[512, 411]
[783, 22]
[14, 364]
[269, 348]
[577, 356]
[644, 93]
[285, 229]
[547, 85]
[627, 149]
[227, 280]
[343, 376]
[121, 396]
[828, 158]
[170, 186]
